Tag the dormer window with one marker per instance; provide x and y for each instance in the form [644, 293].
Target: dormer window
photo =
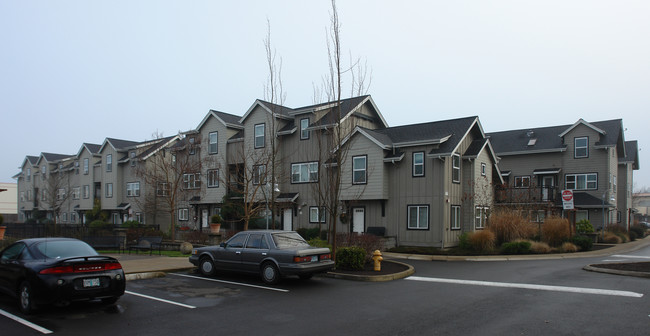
[581, 147]
[259, 135]
[304, 133]
[109, 163]
[192, 150]
[132, 158]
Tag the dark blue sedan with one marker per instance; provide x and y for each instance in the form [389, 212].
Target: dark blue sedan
[58, 270]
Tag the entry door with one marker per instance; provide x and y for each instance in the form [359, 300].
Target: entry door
[548, 182]
[204, 218]
[358, 219]
[287, 219]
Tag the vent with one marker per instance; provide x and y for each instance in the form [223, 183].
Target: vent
[532, 142]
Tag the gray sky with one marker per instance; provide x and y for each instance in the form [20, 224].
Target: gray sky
[81, 71]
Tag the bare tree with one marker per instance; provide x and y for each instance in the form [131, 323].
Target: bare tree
[56, 191]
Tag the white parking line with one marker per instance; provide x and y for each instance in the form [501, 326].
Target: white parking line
[629, 256]
[579, 290]
[159, 299]
[26, 323]
[232, 283]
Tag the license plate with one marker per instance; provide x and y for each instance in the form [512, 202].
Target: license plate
[91, 282]
[314, 258]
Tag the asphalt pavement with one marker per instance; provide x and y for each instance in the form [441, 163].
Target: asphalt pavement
[142, 266]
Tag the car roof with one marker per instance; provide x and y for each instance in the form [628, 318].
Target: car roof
[32, 241]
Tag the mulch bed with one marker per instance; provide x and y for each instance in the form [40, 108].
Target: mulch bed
[387, 267]
[634, 267]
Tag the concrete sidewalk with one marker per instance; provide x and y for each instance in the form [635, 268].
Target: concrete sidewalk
[144, 266]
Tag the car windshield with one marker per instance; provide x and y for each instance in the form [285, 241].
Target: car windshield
[289, 239]
[58, 249]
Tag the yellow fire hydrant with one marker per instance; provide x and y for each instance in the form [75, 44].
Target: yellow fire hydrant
[376, 256]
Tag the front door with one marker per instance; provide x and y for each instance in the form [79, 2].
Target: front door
[286, 220]
[358, 220]
[204, 218]
[548, 182]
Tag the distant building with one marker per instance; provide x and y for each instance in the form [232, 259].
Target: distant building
[9, 201]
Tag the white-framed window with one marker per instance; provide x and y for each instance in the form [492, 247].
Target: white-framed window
[213, 143]
[192, 140]
[139, 218]
[76, 192]
[29, 175]
[76, 167]
[455, 217]
[260, 135]
[483, 165]
[86, 191]
[418, 217]
[183, 214]
[359, 169]
[22, 196]
[581, 181]
[316, 214]
[259, 174]
[132, 158]
[60, 194]
[480, 217]
[109, 162]
[86, 166]
[162, 189]
[109, 190]
[73, 217]
[43, 172]
[581, 149]
[418, 164]
[133, 189]
[455, 168]
[304, 172]
[582, 215]
[213, 178]
[192, 181]
[304, 133]
[522, 181]
[116, 218]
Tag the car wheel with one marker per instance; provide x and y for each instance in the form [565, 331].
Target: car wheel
[306, 276]
[110, 300]
[270, 274]
[206, 266]
[25, 298]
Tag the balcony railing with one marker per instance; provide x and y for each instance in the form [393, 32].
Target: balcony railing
[527, 195]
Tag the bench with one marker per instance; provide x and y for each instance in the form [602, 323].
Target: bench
[147, 244]
[105, 242]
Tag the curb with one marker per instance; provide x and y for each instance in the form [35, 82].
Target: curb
[375, 278]
[145, 275]
[594, 268]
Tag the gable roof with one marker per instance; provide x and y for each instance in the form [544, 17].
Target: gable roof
[33, 160]
[278, 111]
[631, 154]
[550, 139]
[91, 148]
[53, 157]
[227, 119]
[347, 108]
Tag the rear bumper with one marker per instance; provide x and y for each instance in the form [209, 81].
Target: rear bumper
[48, 289]
[306, 268]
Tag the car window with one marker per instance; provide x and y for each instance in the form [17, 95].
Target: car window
[12, 252]
[237, 241]
[65, 249]
[289, 239]
[257, 241]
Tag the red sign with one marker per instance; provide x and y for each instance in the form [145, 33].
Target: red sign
[567, 195]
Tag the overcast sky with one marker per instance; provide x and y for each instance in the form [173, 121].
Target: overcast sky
[80, 71]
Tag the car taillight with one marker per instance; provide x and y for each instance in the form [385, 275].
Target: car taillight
[57, 270]
[301, 259]
[84, 268]
[325, 256]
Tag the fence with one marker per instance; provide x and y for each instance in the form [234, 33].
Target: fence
[39, 230]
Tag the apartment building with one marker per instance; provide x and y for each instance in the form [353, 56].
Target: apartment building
[591, 158]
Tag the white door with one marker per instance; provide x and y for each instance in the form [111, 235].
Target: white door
[204, 218]
[548, 182]
[288, 216]
[358, 219]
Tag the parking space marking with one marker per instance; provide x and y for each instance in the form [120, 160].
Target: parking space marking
[630, 256]
[26, 323]
[159, 299]
[232, 283]
[578, 290]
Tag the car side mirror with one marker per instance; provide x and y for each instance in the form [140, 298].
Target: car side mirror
[223, 244]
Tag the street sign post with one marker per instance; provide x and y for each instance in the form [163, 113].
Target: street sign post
[567, 199]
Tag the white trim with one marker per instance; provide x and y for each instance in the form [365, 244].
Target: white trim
[582, 122]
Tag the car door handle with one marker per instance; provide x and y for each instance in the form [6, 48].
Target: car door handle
[264, 253]
[238, 252]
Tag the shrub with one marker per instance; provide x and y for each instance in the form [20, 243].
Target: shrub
[309, 233]
[516, 247]
[555, 231]
[367, 242]
[482, 241]
[540, 248]
[316, 242]
[509, 225]
[350, 258]
[215, 219]
[584, 243]
[569, 248]
[130, 224]
[624, 237]
[584, 226]
[464, 243]
[611, 238]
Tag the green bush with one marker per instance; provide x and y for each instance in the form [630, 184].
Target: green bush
[350, 258]
[584, 226]
[98, 224]
[130, 224]
[516, 247]
[309, 233]
[463, 242]
[316, 242]
[584, 243]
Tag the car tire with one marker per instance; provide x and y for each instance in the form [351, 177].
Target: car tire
[25, 298]
[206, 266]
[270, 273]
[306, 276]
